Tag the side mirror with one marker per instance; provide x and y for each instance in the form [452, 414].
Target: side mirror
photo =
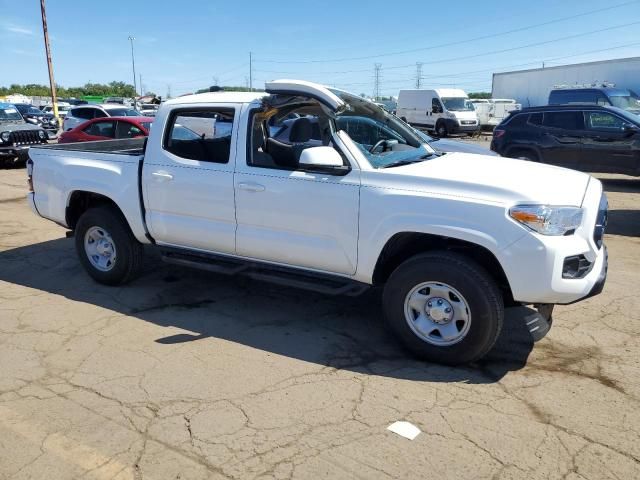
[630, 129]
[322, 160]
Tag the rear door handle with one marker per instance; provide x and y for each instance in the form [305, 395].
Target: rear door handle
[251, 187]
[162, 176]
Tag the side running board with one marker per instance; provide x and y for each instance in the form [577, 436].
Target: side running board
[291, 277]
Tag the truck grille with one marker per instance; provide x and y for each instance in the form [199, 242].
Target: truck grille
[467, 122]
[24, 137]
[601, 221]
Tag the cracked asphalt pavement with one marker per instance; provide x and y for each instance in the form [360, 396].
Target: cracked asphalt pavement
[189, 375]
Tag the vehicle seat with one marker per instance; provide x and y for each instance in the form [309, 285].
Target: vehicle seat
[286, 155]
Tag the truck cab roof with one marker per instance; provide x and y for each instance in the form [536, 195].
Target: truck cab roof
[217, 97]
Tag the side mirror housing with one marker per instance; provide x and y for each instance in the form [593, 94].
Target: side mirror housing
[322, 160]
[630, 129]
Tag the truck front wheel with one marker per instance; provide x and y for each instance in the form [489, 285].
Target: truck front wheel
[444, 307]
[106, 247]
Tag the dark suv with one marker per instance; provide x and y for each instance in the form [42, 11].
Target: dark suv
[590, 138]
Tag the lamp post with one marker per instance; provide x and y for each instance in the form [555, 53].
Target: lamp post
[133, 64]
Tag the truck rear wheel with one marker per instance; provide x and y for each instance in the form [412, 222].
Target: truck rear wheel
[106, 247]
[444, 307]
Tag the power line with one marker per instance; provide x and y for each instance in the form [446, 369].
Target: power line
[459, 42]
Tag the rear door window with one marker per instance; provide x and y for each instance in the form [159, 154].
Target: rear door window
[83, 113]
[518, 120]
[563, 120]
[202, 134]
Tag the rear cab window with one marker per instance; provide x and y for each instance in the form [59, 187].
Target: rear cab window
[202, 134]
[563, 120]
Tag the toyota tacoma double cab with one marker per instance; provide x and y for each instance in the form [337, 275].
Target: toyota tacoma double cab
[451, 239]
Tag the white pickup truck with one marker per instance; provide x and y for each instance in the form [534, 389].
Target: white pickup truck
[344, 197]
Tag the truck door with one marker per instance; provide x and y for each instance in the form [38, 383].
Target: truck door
[435, 112]
[287, 214]
[607, 147]
[187, 178]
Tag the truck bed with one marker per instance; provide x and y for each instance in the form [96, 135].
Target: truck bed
[129, 146]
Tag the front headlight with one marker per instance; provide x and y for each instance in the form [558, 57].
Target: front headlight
[42, 134]
[4, 136]
[547, 219]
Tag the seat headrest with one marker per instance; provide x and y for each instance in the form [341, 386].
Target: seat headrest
[301, 130]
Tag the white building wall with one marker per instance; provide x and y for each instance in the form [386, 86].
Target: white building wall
[531, 87]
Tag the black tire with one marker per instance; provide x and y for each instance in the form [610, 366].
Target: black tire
[441, 129]
[484, 299]
[528, 155]
[129, 251]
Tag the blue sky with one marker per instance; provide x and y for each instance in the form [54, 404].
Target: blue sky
[184, 45]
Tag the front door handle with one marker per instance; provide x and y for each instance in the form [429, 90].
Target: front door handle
[162, 176]
[251, 187]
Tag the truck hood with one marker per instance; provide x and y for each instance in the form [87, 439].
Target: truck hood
[496, 179]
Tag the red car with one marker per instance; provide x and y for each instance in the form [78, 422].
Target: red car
[108, 128]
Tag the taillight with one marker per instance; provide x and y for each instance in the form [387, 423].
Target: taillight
[30, 175]
[497, 133]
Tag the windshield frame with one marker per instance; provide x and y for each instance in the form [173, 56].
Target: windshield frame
[363, 108]
[448, 104]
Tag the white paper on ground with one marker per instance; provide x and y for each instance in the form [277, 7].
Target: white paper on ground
[404, 429]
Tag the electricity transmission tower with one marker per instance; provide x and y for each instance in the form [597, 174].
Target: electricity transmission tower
[418, 75]
[376, 81]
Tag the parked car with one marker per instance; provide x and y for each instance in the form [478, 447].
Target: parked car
[63, 109]
[82, 113]
[443, 110]
[16, 135]
[148, 109]
[108, 129]
[589, 138]
[451, 239]
[36, 116]
[606, 96]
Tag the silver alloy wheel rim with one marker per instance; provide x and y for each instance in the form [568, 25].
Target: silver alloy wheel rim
[437, 313]
[100, 249]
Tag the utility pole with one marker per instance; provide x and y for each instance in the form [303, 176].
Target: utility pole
[376, 81]
[133, 64]
[250, 72]
[52, 83]
[418, 74]
[215, 80]
[168, 92]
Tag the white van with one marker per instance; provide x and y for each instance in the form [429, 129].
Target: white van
[491, 111]
[443, 110]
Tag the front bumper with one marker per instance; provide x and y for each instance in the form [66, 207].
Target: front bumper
[535, 263]
[21, 152]
[454, 126]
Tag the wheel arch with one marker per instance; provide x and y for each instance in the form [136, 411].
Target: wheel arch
[404, 245]
[523, 148]
[79, 201]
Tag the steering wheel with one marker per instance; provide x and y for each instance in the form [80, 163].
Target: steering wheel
[379, 144]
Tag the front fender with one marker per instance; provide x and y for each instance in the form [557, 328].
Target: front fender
[385, 213]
